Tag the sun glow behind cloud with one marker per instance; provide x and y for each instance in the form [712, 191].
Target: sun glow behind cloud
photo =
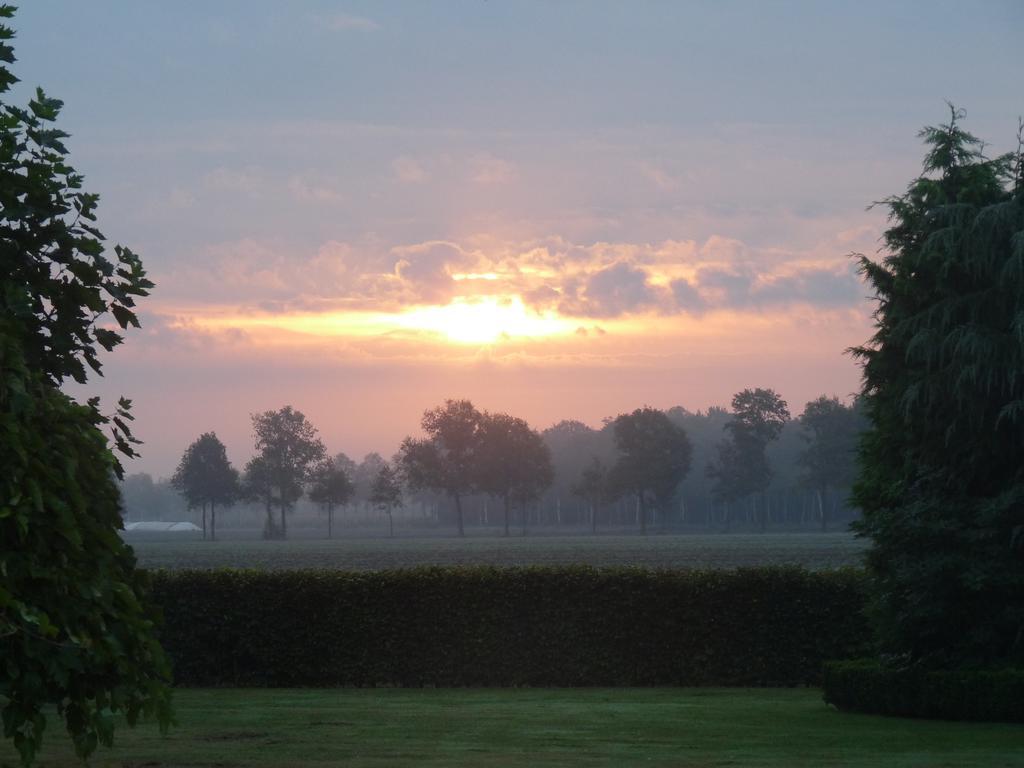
[484, 321]
[475, 321]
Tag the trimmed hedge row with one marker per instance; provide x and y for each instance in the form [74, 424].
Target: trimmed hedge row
[867, 686]
[481, 626]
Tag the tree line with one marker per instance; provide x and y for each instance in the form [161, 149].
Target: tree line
[750, 465]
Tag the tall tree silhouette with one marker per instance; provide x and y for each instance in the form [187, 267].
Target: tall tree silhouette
[331, 487]
[513, 463]
[288, 450]
[654, 456]
[205, 477]
[741, 468]
[445, 460]
[830, 430]
[941, 483]
[386, 494]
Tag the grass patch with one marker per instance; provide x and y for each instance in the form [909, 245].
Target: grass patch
[540, 727]
[811, 550]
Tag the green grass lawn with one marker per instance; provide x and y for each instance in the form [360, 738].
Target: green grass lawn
[811, 550]
[540, 727]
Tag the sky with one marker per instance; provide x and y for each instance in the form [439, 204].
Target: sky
[557, 210]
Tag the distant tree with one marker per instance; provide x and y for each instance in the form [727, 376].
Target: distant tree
[759, 413]
[512, 462]
[592, 487]
[732, 477]
[205, 477]
[386, 494]
[364, 474]
[654, 456]
[346, 465]
[571, 444]
[350, 468]
[288, 449]
[445, 460]
[258, 487]
[830, 430]
[330, 488]
[941, 484]
[741, 469]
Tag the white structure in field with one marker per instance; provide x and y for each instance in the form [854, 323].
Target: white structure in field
[157, 526]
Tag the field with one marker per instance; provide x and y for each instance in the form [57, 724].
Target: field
[811, 550]
[524, 727]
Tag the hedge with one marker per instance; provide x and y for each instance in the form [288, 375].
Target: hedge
[481, 626]
[868, 686]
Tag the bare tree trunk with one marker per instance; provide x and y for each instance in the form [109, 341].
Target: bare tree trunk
[821, 507]
[507, 510]
[204, 521]
[593, 518]
[268, 526]
[391, 525]
[458, 514]
[284, 522]
[330, 520]
[213, 521]
[641, 509]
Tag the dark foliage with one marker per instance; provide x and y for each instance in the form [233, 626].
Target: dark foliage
[205, 477]
[446, 461]
[653, 458]
[513, 464]
[741, 468]
[60, 285]
[830, 430]
[869, 686]
[288, 454]
[331, 487]
[386, 494]
[942, 466]
[76, 632]
[573, 626]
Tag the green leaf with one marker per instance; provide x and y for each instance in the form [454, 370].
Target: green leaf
[124, 317]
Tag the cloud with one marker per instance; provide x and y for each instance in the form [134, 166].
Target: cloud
[542, 297]
[307, 189]
[820, 286]
[426, 269]
[341, 22]
[725, 249]
[488, 169]
[616, 290]
[408, 171]
[687, 297]
[249, 180]
[552, 275]
[726, 285]
[659, 177]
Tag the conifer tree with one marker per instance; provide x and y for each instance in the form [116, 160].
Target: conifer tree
[941, 481]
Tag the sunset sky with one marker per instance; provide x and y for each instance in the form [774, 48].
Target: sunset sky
[559, 210]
